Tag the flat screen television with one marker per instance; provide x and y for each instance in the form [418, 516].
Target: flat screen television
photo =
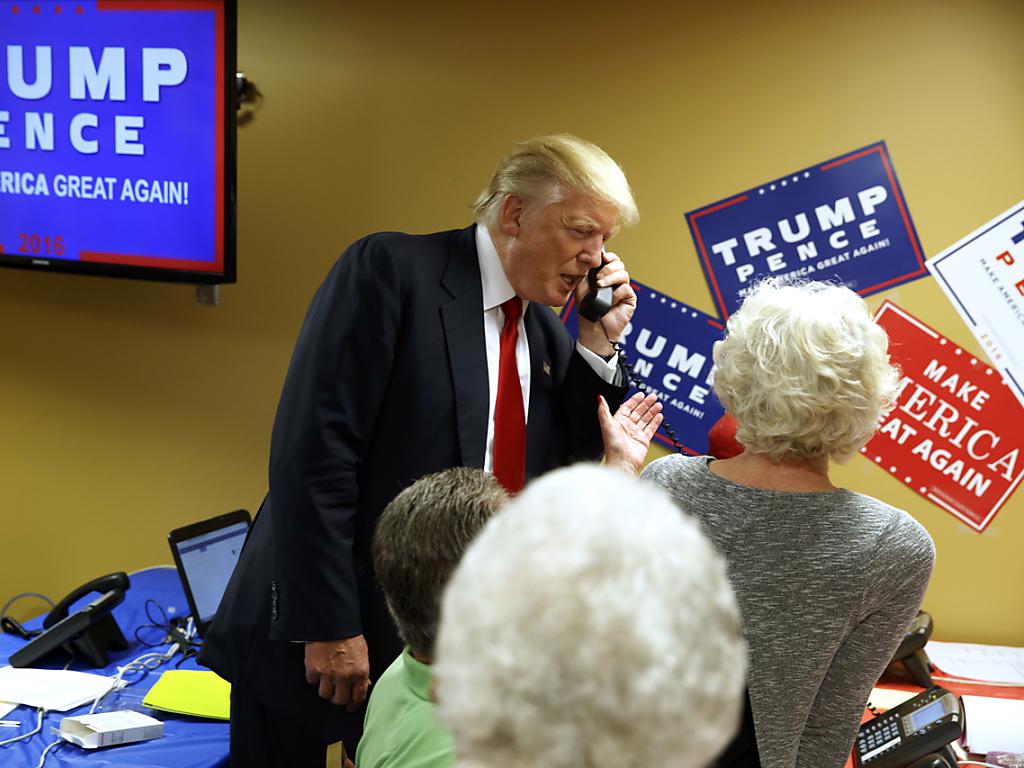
[117, 138]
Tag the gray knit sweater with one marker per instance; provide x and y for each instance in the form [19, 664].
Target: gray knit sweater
[826, 583]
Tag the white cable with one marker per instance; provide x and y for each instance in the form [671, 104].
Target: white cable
[37, 729]
[140, 662]
[147, 661]
[51, 745]
[16, 598]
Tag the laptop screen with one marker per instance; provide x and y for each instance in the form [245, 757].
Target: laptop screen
[207, 560]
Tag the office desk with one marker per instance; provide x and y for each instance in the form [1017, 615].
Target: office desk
[187, 742]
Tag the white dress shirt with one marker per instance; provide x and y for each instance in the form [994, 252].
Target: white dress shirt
[497, 290]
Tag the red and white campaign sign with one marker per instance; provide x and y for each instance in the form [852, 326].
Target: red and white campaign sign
[956, 435]
[983, 276]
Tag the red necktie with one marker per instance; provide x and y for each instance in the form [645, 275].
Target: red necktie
[509, 417]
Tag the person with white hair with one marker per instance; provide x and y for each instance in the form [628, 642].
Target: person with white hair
[827, 579]
[589, 624]
[418, 353]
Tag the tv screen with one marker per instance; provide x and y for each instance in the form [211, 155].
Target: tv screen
[117, 138]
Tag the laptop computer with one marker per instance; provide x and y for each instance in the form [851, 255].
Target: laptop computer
[205, 554]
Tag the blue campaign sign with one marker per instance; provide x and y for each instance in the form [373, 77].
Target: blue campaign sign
[111, 132]
[843, 220]
[669, 346]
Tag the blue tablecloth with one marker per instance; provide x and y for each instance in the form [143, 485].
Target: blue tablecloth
[188, 742]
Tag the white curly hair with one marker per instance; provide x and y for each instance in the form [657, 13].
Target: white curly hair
[805, 371]
[591, 623]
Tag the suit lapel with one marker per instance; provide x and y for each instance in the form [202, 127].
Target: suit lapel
[462, 319]
[538, 425]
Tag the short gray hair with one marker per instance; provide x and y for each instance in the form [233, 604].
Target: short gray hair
[590, 623]
[420, 538]
[545, 168]
[805, 371]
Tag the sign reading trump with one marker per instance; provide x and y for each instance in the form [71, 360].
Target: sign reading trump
[956, 435]
[112, 132]
[668, 347]
[843, 220]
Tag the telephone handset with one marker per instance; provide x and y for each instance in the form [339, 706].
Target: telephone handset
[919, 728]
[598, 302]
[118, 580]
[88, 633]
[595, 305]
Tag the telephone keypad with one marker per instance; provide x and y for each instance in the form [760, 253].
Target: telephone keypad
[883, 733]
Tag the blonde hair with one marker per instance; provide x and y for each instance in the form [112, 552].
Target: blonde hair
[544, 169]
[575, 635]
[805, 371]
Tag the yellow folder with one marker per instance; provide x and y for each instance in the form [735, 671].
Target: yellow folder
[191, 692]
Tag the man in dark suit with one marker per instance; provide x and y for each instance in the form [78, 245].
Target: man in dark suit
[418, 353]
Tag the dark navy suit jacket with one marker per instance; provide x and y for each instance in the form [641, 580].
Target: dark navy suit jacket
[387, 383]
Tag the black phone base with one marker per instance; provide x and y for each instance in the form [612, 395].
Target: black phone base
[86, 634]
[94, 643]
[944, 758]
[919, 668]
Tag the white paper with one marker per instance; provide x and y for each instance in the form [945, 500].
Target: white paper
[991, 663]
[994, 725]
[889, 698]
[981, 275]
[52, 689]
[6, 708]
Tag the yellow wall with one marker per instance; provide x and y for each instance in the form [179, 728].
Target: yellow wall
[128, 410]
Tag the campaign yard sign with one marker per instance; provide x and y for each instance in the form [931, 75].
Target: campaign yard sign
[112, 132]
[668, 344]
[983, 276]
[842, 220]
[956, 435]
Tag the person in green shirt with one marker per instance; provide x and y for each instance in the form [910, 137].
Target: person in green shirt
[419, 540]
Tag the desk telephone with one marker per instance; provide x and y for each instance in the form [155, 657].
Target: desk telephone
[87, 633]
[916, 733]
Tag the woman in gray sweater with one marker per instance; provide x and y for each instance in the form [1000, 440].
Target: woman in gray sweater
[827, 580]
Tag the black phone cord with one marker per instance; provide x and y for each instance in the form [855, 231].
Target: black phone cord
[642, 386]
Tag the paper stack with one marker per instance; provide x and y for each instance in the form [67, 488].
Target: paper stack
[994, 725]
[991, 663]
[51, 689]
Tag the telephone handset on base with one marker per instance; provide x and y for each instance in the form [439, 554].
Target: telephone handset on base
[88, 633]
[918, 731]
[911, 654]
[118, 580]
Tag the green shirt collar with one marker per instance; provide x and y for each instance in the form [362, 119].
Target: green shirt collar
[417, 675]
